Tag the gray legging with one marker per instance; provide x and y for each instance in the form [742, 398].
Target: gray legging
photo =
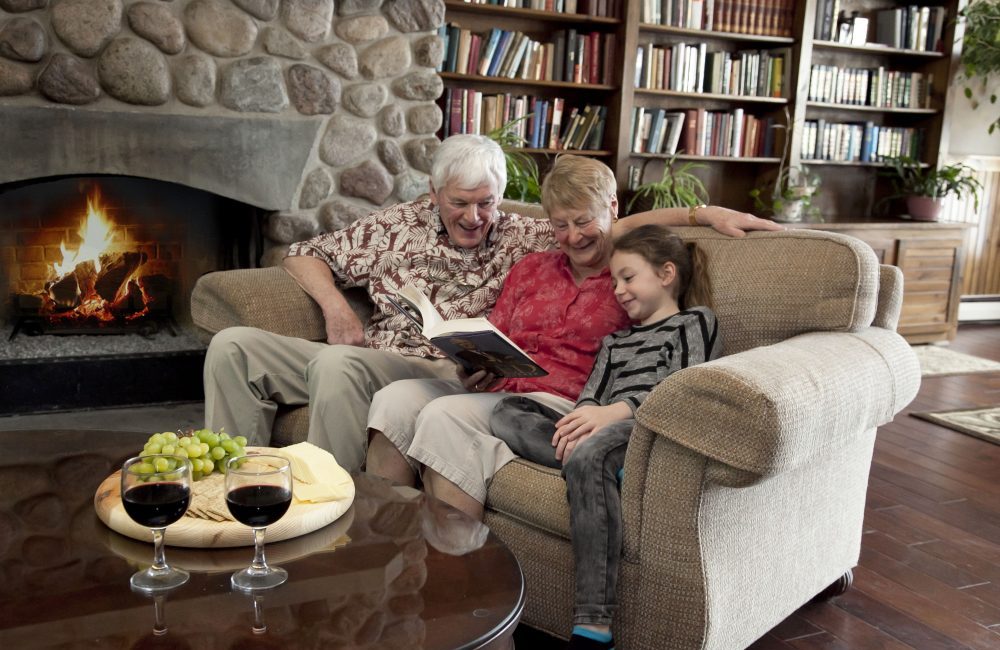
[591, 474]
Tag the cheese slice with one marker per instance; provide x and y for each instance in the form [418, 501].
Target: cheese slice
[317, 475]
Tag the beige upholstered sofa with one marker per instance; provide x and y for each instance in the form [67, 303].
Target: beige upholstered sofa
[745, 479]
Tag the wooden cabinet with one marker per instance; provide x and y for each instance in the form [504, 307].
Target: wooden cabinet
[930, 257]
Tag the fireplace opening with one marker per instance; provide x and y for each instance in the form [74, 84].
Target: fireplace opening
[84, 257]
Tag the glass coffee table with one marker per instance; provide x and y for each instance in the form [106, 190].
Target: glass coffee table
[398, 570]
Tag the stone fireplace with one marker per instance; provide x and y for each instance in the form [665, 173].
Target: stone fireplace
[299, 116]
[315, 111]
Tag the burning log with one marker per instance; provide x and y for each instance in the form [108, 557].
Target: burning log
[65, 292]
[116, 269]
[157, 288]
[131, 300]
[86, 274]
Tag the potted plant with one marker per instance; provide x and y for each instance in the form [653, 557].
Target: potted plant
[789, 195]
[924, 187]
[523, 182]
[981, 51]
[677, 187]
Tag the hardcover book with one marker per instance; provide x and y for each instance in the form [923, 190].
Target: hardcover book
[474, 343]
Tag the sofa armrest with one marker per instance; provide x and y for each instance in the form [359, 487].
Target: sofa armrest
[773, 408]
[890, 297]
[268, 298]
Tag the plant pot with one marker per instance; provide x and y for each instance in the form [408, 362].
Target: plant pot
[923, 208]
[791, 212]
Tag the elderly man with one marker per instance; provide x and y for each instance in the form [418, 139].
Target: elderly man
[455, 245]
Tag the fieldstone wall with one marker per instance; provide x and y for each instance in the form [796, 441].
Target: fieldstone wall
[206, 88]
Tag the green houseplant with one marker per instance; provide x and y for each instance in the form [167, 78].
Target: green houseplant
[980, 58]
[523, 182]
[924, 187]
[677, 187]
[788, 196]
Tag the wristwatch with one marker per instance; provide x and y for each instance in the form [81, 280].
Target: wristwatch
[691, 213]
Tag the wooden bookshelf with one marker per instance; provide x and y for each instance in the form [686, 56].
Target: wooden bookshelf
[851, 189]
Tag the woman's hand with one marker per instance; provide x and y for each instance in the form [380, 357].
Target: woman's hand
[478, 382]
[733, 223]
[580, 423]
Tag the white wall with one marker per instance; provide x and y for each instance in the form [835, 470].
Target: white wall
[968, 133]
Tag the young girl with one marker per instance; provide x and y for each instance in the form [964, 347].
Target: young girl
[662, 285]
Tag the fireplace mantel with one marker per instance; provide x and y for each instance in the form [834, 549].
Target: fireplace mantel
[254, 159]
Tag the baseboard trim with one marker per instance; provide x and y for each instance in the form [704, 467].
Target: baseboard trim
[977, 309]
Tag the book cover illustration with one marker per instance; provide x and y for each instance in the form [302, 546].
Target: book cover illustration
[475, 343]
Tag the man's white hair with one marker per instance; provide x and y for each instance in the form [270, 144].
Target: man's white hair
[468, 161]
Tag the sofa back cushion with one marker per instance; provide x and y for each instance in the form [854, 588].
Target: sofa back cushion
[770, 286]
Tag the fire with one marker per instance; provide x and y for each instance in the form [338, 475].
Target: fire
[96, 282]
[96, 233]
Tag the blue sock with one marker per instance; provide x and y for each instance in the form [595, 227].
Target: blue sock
[584, 639]
[621, 476]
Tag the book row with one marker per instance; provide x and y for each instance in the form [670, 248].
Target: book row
[540, 123]
[760, 17]
[910, 28]
[692, 68]
[870, 87]
[571, 56]
[700, 132]
[866, 142]
[602, 8]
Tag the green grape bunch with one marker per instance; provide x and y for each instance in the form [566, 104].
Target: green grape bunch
[207, 450]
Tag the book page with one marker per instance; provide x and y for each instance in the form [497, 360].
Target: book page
[416, 299]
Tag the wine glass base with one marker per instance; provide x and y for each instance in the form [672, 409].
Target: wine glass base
[150, 580]
[251, 579]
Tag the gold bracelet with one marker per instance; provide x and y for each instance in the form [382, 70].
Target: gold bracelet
[691, 213]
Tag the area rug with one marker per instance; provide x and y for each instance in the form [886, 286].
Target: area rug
[936, 361]
[981, 422]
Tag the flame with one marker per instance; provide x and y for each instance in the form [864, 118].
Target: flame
[96, 233]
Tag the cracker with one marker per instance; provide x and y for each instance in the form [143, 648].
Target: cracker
[208, 499]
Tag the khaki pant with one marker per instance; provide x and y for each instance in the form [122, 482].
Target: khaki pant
[440, 425]
[249, 372]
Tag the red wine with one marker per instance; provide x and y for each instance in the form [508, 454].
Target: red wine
[156, 504]
[259, 505]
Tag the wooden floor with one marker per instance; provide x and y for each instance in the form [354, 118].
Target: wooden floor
[929, 574]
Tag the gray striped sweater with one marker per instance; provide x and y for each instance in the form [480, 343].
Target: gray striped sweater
[632, 361]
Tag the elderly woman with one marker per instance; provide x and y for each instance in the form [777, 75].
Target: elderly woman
[557, 305]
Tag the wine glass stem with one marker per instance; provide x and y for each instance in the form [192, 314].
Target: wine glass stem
[159, 624]
[259, 563]
[159, 563]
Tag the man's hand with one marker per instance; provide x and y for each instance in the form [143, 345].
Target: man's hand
[582, 422]
[343, 327]
[733, 223]
[478, 382]
[315, 277]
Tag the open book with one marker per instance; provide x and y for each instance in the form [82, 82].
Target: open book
[473, 342]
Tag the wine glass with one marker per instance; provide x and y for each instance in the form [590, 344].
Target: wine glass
[156, 491]
[258, 493]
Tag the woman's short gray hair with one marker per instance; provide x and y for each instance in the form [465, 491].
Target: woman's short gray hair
[469, 161]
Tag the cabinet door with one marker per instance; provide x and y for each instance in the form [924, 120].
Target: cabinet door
[931, 269]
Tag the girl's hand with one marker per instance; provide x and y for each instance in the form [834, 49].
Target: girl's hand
[584, 421]
[478, 382]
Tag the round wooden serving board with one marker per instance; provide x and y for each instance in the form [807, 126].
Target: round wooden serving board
[193, 532]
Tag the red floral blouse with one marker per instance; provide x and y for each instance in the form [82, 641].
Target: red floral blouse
[558, 323]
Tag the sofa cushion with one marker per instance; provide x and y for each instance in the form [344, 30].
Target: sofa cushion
[531, 493]
[771, 286]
